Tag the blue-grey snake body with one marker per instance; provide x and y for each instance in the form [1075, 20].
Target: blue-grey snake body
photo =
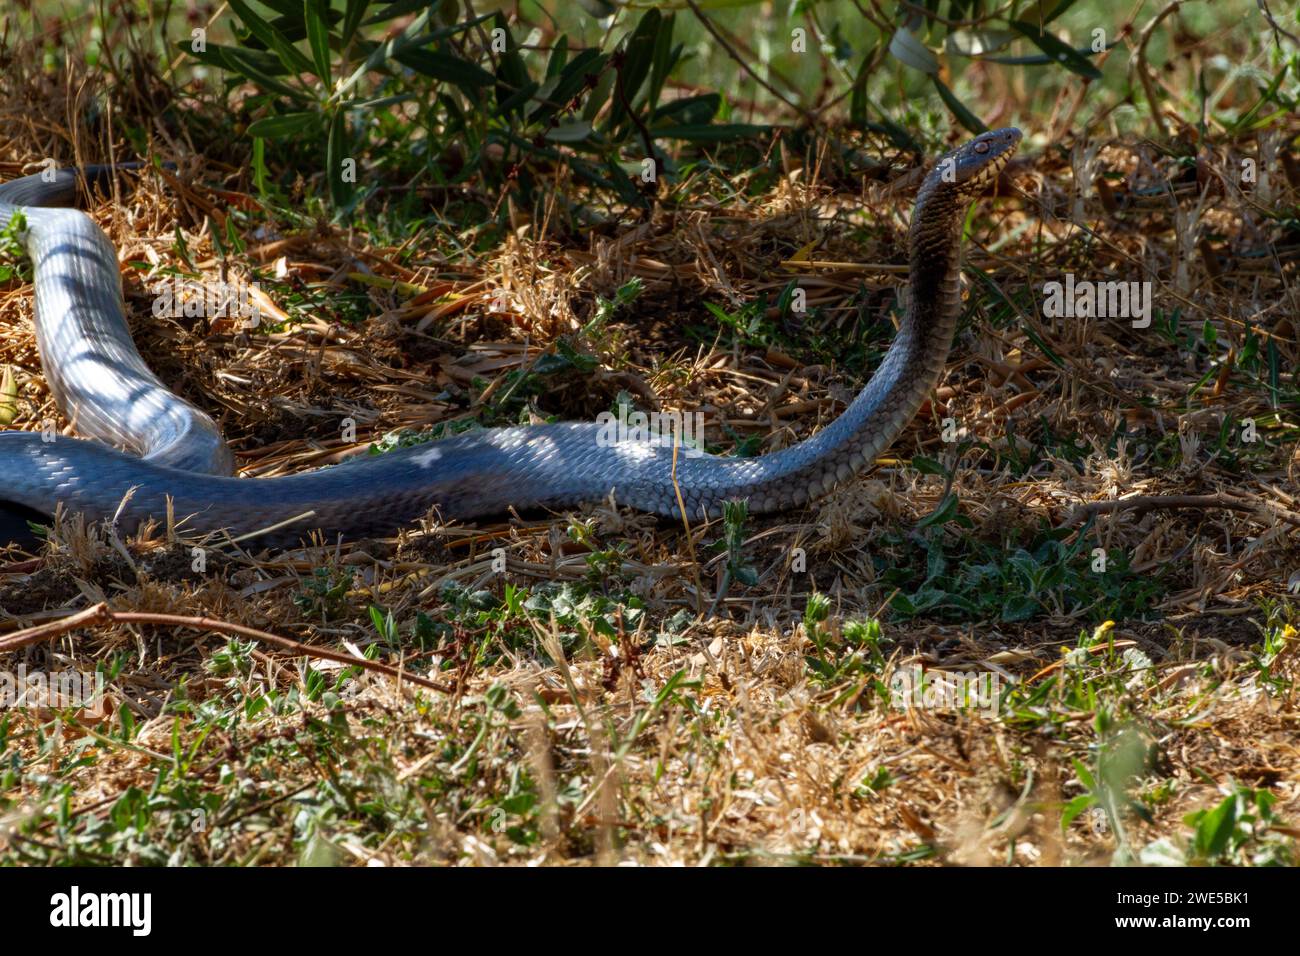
[163, 448]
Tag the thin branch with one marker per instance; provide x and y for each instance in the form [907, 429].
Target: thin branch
[1251, 504]
[1268, 15]
[101, 614]
[1140, 64]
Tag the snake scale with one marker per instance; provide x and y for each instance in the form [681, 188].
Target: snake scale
[144, 445]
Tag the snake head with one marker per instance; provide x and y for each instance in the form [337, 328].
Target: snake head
[969, 168]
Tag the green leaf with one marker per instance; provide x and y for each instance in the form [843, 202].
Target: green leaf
[1085, 776]
[518, 100]
[1075, 807]
[663, 60]
[1268, 95]
[569, 81]
[638, 53]
[622, 184]
[959, 110]
[1036, 59]
[286, 124]
[289, 54]
[355, 10]
[443, 66]
[908, 50]
[858, 99]
[599, 96]
[1058, 49]
[897, 134]
[361, 106]
[341, 191]
[1019, 609]
[558, 58]
[318, 36]
[940, 515]
[512, 75]
[1214, 829]
[289, 10]
[928, 466]
[407, 39]
[237, 61]
[259, 165]
[574, 132]
[215, 55]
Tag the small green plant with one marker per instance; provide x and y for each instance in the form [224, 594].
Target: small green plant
[734, 515]
[874, 782]
[748, 325]
[1234, 832]
[385, 626]
[966, 578]
[815, 614]
[13, 255]
[1119, 755]
[356, 82]
[1280, 641]
[234, 658]
[324, 595]
[849, 656]
[606, 309]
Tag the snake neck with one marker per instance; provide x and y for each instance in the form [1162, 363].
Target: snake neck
[934, 243]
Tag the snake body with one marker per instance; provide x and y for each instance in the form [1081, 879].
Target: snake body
[167, 450]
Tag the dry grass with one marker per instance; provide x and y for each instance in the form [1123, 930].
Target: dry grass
[659, 720]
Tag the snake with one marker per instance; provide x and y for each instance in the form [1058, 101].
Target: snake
[143, 453]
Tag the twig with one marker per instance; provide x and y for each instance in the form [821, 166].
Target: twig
[101, 614]
[1268, 15]
[1140, 64]
[1141, 503]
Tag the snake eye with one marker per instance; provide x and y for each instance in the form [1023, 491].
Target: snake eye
[981, 147]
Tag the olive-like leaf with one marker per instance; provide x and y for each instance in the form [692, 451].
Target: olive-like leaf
[335, 153]
[239, 61]
[286, 124]
[908, 50]
[444, 66]
[1058, 49]
[274, 40]
[574, 132]
[318, 35]
[352, 14]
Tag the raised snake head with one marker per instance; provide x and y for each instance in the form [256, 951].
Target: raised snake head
[974, 165]
[958, 177]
